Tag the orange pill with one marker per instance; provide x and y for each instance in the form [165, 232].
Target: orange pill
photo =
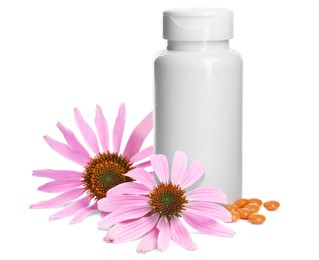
[234, 216]
[253, 207]
[231, 207]
[244, 213]
[257, 219]
[255, 201]
[241, 203]
[271, 205]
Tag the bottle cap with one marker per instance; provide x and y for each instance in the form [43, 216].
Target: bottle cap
[213, 24]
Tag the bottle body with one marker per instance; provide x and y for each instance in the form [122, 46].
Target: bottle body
[198, 110]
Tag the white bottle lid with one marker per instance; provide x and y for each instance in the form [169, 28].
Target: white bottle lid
[213, 24]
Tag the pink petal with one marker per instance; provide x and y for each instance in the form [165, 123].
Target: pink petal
[119, 129]
[129, 188]
[86, 131]
[125, 213]
[164, 235]
[74, 143]
[193, 174]
[179, 167]
[60, 186]
[83, 213]
[104, 214]
[142, 154]
[180, 234]
[160, 166]
[124, 232]
[142, 176]
[206, 194]
[138, 136]
[206, 225]
[72, 209]
[65, 151]
[210, 210]
[58, 174]
[112, 203]
[143, 165]
[59, 200]
[148, 242]
[102, 128]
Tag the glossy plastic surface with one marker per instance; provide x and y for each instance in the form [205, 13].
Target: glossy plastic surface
[198, 110]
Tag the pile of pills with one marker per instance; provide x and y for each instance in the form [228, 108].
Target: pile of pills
[248, 209]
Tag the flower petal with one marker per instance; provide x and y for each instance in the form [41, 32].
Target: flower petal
[72, 209]
[179, 167]
[129, 188]
[164, 235]
[124, 232]
[111, 203]
[142, 154]
[143, 164]
[59, 200]
[148, 242]
[125, 213]
[206, 225]
[142, 176]
[119, 128]
[138, 136]
[86, 131]
[83, 213]
[210, 210]
[102, 128]
[193, 174]
[160, 166]
[60, 186]
[104, 214]
[58, 174]
[207, 194]
[73, 142]
[65, 151]
[180, 234]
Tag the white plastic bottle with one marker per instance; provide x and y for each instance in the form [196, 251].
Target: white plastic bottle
[198, 95]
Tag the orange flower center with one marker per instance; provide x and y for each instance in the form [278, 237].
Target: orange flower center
[167, 200]
[105, 171]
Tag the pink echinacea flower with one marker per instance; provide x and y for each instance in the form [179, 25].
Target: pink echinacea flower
[103, 168]
[153, 209]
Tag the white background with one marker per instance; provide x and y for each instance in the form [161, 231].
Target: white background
[57, 55]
